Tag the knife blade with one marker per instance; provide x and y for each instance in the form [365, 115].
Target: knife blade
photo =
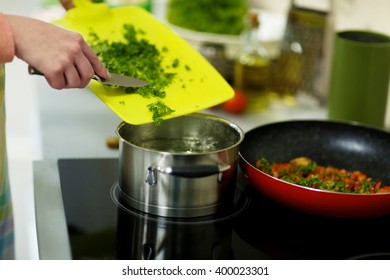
[115, 79]
[121, 80]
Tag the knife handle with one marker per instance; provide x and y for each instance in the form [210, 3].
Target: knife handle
[33, 71]
[98, 78]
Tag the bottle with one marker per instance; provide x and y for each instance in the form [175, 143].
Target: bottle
[302, 67]
[252, 68]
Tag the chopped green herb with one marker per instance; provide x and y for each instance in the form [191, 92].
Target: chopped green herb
[212, 16]
[134, 56]
[175, 63]
[158, 110]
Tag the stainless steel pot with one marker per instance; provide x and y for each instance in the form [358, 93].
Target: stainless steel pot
[186, 167]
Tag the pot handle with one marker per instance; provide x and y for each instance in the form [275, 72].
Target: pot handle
[194, 171]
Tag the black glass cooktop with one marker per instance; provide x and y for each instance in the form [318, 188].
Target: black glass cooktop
[101, 226]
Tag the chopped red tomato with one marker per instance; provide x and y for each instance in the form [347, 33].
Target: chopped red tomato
[237, 104]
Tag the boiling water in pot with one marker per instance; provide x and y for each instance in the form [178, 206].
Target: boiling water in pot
[183, 145]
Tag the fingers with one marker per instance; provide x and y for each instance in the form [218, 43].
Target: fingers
[85, 64]
[62, 56]
[76, 67]
[95, 62]
[81, 73]
[76, 74]
[56, 81]
[76, 79]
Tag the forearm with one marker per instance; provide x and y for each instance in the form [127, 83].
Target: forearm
[7, 45]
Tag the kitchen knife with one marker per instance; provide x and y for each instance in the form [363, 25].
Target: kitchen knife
[121, 80]
[115, 79]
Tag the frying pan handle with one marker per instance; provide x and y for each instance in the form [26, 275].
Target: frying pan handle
[193, 171]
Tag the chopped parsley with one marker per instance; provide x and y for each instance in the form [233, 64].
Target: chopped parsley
[159, 109]
[211, 16]
[136, 57]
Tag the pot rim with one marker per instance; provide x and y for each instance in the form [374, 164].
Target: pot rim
[199, 115]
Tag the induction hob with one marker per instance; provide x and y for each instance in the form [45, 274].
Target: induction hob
[100, 226]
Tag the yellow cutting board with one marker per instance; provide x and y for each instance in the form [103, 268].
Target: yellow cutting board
[192, 90]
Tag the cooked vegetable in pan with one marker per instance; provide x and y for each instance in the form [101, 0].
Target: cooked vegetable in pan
[305, 172]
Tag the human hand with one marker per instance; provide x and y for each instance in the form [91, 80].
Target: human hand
[62, 56]
[67, 4]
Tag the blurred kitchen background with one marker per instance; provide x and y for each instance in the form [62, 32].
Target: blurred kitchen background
[43, 123]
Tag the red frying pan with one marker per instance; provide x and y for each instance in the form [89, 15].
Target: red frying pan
[329, 143]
